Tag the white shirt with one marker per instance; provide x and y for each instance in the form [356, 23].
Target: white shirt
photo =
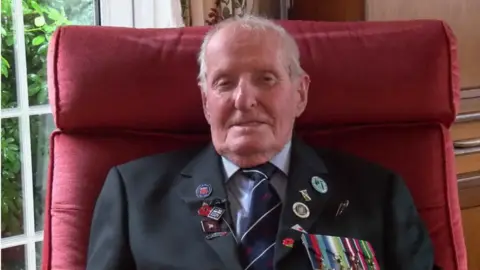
[239, 186]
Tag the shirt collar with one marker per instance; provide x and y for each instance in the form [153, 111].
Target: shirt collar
[280, 160]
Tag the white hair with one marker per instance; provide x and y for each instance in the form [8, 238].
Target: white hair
[291, 52]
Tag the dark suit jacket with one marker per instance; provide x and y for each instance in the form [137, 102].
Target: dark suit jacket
[146, 215]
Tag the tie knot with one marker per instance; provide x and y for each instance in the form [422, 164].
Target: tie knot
[260, 172]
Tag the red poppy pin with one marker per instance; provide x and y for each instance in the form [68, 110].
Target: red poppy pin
[204, 210]
[288, 242]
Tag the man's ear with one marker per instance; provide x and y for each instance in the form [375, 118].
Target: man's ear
[204, 103]
[302, 85]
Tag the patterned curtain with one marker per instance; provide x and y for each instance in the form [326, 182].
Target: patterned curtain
[210, 12]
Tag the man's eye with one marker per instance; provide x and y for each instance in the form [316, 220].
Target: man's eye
[223, 85]
[268, 79]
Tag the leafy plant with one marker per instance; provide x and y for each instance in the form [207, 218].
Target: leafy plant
[40, 21]
[40, 18]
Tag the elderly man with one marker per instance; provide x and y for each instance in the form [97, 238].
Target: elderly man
[256, 197]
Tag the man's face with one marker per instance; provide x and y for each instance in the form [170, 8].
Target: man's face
[250, 101]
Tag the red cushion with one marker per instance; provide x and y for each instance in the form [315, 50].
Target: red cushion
[408, 66]
[121, 93]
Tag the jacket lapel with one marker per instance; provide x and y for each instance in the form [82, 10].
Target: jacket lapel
[305, 164]
[207, 169]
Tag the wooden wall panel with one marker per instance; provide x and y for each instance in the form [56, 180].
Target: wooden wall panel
[468, 162]
[470, 100]
[327, 10]
[468, 189]
[462, 15]
[470, 105]
[471, 223]
[465, 130]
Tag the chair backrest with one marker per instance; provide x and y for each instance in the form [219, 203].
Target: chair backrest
[386, 91]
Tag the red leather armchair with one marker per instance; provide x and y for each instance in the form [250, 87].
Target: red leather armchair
[387, 91]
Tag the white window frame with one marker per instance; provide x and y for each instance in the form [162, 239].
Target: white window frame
[112, 13]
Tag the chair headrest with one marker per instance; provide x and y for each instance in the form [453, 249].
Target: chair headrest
[361, 73]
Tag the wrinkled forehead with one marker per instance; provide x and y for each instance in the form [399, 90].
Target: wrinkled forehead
[238, 44]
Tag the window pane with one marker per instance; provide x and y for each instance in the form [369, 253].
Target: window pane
[41, 18]
[41, 126]
[9, 92]
[38, 252]
[12, 203]
[13, 258]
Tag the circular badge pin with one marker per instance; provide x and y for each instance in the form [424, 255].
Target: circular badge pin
[301, 210]
[203, 191]
[319, 184]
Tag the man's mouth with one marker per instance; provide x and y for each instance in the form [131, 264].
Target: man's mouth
[249, 124]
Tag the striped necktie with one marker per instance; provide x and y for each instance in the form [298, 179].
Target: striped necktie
[258, 240]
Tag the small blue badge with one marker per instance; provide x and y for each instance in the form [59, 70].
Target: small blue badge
[203, 190]
[319, 184]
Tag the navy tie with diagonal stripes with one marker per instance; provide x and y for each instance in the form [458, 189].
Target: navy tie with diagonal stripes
[258, 240]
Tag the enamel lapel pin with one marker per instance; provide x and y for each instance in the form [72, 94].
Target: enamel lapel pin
[341, 207]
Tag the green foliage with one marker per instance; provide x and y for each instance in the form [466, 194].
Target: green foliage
[40, 18]
[11, 186]
[40, 21]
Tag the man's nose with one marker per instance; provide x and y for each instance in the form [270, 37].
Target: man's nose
[245, 96]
